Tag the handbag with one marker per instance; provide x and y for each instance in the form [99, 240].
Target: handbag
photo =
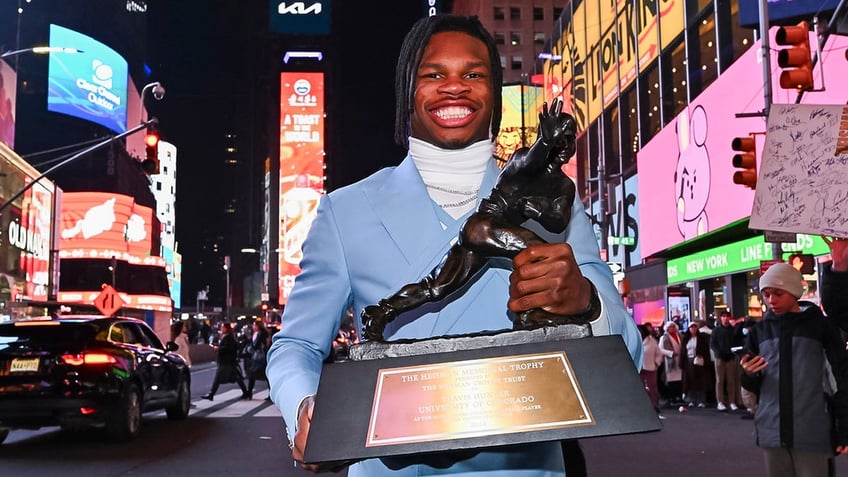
[698, 361]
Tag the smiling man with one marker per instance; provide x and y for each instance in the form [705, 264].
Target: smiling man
[395, 226]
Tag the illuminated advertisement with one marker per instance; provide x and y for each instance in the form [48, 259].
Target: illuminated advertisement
[26, 227]
[602, 47]
[174, 267]
[781, 10]
[8, 90]
[685, 182]
[141, 302]
[301, 167]
[311, 17]
[90, 85]
[103, 225]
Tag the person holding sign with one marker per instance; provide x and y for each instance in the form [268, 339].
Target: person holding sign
[395, 226]
[834, 285]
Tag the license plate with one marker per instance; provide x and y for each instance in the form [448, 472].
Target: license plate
[24, 365]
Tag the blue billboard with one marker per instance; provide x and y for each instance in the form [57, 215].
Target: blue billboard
[783, 12]
[90, 85]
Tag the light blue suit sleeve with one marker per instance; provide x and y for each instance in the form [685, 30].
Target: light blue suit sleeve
[311, 319]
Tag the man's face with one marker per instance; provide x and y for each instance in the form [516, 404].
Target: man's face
[779, 301]
[725, 319]
[453, 92]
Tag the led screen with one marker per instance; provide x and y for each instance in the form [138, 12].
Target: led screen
[781, 12]
[8, 88]
[301, 167]
[105, 225]
[685, 181]
[90, 85]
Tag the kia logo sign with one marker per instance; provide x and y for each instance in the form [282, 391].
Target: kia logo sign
[300, 17]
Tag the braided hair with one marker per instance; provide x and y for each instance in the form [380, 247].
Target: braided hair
[410, 58]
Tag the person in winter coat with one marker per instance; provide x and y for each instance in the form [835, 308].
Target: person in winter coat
[725, 336]
[652, 357]
[834, 282]
[228, 370]
[670, 346]
[794, 358]
[696, 364]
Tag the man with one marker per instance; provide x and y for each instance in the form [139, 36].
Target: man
[228, 369]
[792, 357]
[724, 337]
[834, 284]
[392, 228]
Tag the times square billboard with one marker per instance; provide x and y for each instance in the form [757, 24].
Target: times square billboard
[301, 168]
[90, 84]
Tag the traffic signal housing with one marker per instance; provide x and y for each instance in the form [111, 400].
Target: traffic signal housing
[746, 160]
[150, 164]
[796, 60]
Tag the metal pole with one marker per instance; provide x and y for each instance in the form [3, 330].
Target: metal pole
[765, 54]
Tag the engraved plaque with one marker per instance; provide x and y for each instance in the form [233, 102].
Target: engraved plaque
[498, 395]
[476, 398]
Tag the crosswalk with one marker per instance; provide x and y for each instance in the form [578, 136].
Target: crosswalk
[228, 404]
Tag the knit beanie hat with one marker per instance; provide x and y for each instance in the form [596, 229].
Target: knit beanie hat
[784, 276]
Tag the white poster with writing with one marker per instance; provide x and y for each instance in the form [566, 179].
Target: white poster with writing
[803, 178]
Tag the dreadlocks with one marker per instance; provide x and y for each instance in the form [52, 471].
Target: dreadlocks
[410, 58]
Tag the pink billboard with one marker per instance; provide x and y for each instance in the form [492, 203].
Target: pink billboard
[685, 181]
[8, 88]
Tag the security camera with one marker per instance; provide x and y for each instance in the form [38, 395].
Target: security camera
[158, 91]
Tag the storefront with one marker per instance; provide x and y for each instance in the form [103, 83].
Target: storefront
[26, 243]
[726, 277]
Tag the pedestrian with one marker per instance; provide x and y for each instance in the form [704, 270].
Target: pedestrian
[179, 336]
[696, 365]
[726, 336]
[228, 369]
[793, 359]
[834, 283]
[369, 238]
[652, 357]
[670, 346]
[256, 360]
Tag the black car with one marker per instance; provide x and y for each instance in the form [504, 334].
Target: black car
[79, 372]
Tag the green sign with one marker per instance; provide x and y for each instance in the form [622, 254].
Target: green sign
[736, 257]
[630, 241]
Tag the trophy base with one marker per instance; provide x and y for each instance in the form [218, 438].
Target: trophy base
[406, 398]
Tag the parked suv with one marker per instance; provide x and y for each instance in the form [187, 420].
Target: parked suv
[88, 371]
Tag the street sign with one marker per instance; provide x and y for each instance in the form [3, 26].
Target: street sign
[109, 301]
[773, 236]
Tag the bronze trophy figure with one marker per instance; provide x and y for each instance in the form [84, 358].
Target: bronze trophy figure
[532, 186]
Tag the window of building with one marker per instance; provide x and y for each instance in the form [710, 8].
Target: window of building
[538, 13]
[675, 84]
[557, 13]
[515, 38]
[733, 40]
[649, 101]
[503, 61]
[539, 38]
[500, 38]
[629, 130]
[515, 62]
[499, 13]
[515, 13]
[611, 142]
[702, 54]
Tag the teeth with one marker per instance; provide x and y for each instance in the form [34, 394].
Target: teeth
[453, 112]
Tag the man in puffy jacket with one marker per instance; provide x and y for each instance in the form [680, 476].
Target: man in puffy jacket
[834, 283]
[786, 362]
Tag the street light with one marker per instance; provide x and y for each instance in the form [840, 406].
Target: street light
[40, 50]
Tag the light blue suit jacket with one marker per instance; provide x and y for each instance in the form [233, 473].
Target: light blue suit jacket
[379, 234]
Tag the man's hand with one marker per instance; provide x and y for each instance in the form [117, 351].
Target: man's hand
[753, 364]
[304, 420]
[547, 276]
[838, 252]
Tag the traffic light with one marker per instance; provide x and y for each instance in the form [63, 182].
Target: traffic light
[745, 159]
[796, 59]
[803, 262]
[264, 306]
[150, 165]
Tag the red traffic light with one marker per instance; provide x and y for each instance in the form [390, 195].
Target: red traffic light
[150, 164]
[797, 59]
[746, 160]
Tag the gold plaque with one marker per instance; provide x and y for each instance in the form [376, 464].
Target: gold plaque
[475, 398]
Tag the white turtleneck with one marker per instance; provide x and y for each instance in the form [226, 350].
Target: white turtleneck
[452, 176]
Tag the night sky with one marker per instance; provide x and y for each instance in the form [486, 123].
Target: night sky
[202, 54]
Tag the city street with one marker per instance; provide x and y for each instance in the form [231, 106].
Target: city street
[231, 437]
